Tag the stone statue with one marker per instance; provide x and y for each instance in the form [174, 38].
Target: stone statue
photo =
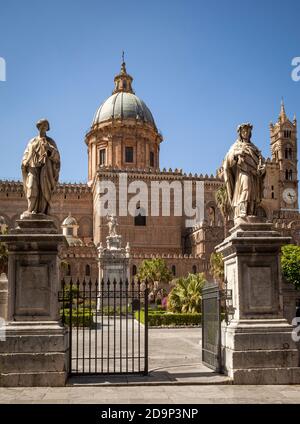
[244, 172]
[112, 225]
[211, 216]
[40, 170]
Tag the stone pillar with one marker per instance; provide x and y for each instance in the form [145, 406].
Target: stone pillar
[3, 296]
[109, 160]
[257, 344]
[35, 350]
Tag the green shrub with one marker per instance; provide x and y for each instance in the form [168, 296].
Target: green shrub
[160, 319]
[108, 311]
[290, 264]
[186, 295]
[156, 312]
[80, 317]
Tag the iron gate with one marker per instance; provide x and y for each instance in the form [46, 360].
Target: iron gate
[108, 326]
[211, 327]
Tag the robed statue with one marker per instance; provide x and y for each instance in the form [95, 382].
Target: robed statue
[40, 170]
[244, 172]
[112, 225]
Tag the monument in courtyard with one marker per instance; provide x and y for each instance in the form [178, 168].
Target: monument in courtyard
[114, 260]
[35, 350]
[257, 344]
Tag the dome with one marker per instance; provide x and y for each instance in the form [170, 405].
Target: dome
[124, 105]
[70, 220]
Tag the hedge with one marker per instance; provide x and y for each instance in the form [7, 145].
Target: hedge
[80, 317]
[114, 311]
[169, 319]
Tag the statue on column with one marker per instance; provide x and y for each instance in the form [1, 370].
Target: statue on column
[112, 225]
[40, 170]
[244, 172]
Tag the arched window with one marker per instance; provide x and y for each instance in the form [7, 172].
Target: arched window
[102, 157]
[68, 273]
[194, 269]
[87, 270]
[287, 133]
[69, 231]
[140, 217]
[151, 158]
[134, 270]
[129, 154]
[288, 153]
[174, 270]
[286, 174]
[290, 174]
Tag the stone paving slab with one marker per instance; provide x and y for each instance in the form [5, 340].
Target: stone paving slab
[212, 394]
[179, 376]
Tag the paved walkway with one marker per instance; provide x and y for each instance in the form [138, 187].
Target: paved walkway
[174, 358]
[159, 394]
[176, 376]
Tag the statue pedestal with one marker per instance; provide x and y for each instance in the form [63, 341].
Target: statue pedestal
[35, 350]
[113, 260]
[114, 264]
[257, 344]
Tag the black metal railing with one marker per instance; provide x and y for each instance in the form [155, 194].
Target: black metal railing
[211, 326]
[108, 326]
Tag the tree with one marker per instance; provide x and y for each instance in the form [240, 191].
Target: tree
[222, 201]
[154, 270]
[3, 255]
[63, 266]
[217, 266]
[186, 296]
[290, 264]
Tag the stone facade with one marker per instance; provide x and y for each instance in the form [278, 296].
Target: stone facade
[124, 138]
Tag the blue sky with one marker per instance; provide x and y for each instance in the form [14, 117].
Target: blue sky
[202, 67]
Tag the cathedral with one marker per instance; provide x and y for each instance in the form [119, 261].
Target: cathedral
[123, 138]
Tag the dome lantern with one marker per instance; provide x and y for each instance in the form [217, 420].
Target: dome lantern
[123, 80]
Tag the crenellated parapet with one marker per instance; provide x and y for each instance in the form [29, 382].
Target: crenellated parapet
[77, 188]
[11, 186]
[17, 187]
[164, 256]
[85, 250]
[155, 174]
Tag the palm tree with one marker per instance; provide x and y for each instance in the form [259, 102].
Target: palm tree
[217, 266]
[186, 296]
[154, 270]
[224, 206]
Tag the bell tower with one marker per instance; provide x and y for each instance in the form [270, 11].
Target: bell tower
[284, 152]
